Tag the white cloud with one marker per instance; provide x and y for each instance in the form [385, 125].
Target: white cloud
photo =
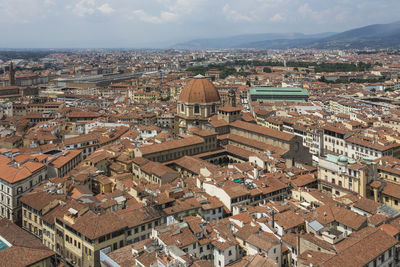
[276, 18]
[340, 17]
[305, 10]
[84, 7]
[143, 16]
[167, 16]
[21, 11]
[321, 16]
[173, 11]
[233, 15]
[49, 2]
[105, 9]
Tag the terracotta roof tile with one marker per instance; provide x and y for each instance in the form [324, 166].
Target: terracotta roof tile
[251, 127]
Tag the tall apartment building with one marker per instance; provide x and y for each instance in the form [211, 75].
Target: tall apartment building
[16, 179]
[341, 141]
[80, 235]
[34, 206]
[339, 175]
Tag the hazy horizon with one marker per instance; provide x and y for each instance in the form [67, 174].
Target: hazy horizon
[162, 23]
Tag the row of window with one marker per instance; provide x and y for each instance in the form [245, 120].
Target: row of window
[350, 172]
[3, 199]
[143, 237]
[29, 215]
[357, 148]
[143, 227]
[331, 140]
[396, 202]
[5, 213]
[71, 240]
[333, 181]
[382, 258]
[196, 109]
[174, 155]
[110, 236]
[5, 188]
[213, 211]
[386, 177]
[89, 149]
[48, 234]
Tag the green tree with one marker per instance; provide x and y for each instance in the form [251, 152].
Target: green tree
[267, 70]
[322, 79]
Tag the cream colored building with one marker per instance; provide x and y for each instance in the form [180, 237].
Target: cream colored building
[387, 189]
[34, 207]
[338, 175]
[80, 235]
[20, 248]
[16, 179]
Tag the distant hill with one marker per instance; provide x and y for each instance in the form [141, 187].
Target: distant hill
[244, 40]
[373, 36]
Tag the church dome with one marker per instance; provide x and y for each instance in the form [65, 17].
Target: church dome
[342, 158]
[199, 90]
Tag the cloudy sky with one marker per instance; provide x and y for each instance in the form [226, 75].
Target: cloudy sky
[159, 23]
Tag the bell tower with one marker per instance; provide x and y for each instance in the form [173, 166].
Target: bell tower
[11, 77]
[231, 98]
[230, 112]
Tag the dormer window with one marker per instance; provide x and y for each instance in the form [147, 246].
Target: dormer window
[182, 108]
[196, 109]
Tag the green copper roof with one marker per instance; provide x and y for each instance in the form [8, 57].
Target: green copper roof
[335, 159]
[278, 91]
[3, 244]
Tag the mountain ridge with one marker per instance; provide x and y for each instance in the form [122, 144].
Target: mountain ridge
[376, 36]
[238, 40]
